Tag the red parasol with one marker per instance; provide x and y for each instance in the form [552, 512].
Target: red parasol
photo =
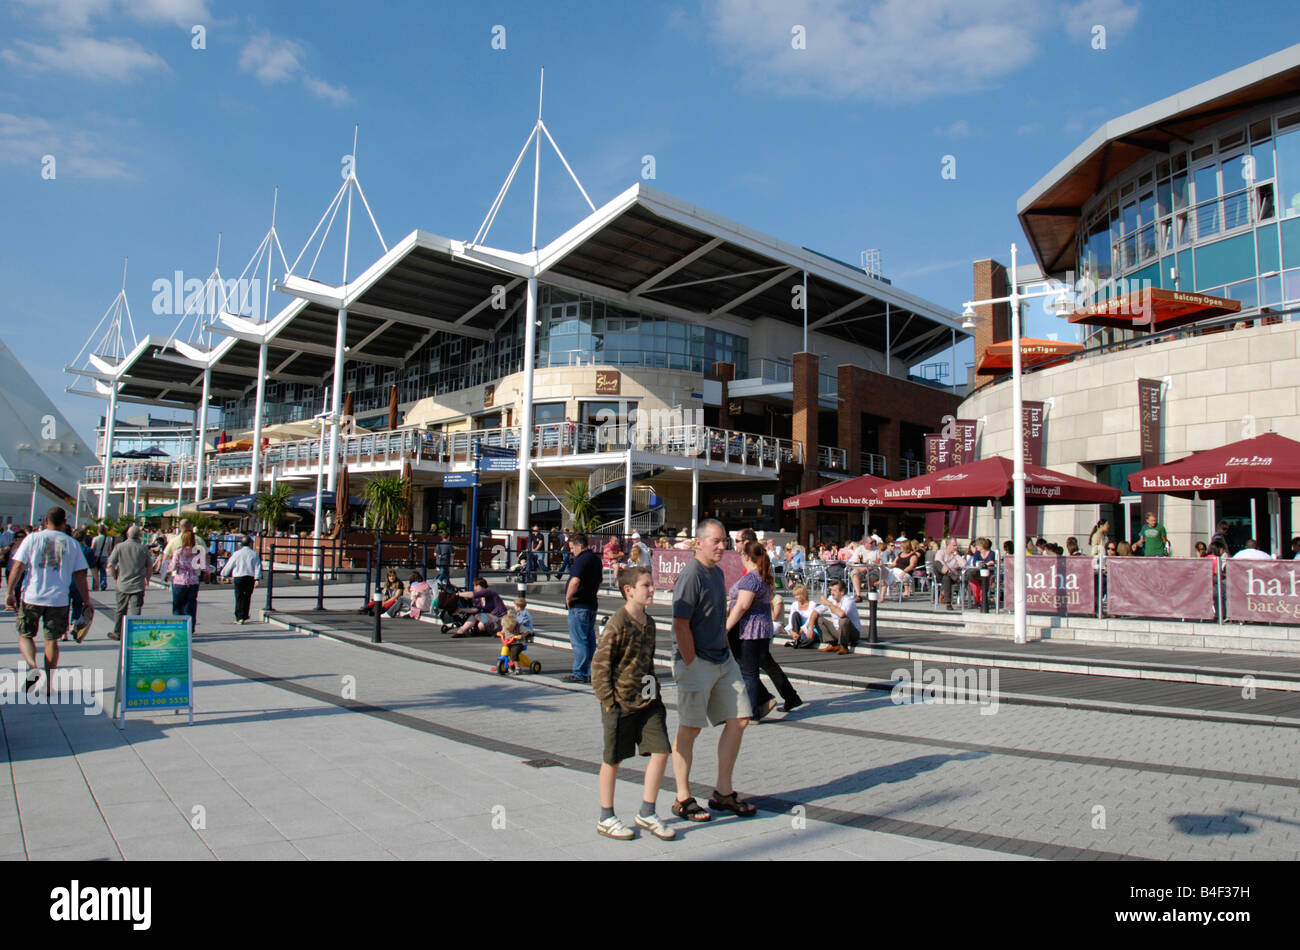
[1268, 462]
[860, 492]
[989, 480]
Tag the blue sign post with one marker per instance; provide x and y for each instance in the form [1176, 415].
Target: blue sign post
[471, 556]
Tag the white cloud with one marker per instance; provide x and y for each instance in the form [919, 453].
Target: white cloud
[887, 49]
[74, 15]
[274, 60]
[111, 59]
[1117, 16]
[337, 95]
[271, 60]
[26, 140]
[957, 130]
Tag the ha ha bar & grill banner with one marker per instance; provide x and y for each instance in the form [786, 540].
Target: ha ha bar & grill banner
[1258, 591]
[1059, 586]
[1171, 588]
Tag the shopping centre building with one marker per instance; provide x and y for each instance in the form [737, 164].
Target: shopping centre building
[1195, 198]
[683, 365]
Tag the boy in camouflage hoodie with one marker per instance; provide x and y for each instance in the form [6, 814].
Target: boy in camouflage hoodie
[632, 712]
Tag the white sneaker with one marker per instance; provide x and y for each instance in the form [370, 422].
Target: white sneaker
[652, 824]
[613, 827]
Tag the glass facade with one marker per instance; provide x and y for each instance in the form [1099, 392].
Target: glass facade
[576, 329]
[1222, 210]
[580, 330]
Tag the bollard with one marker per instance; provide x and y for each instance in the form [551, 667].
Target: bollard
[270, 578]
[320, 580]
[376, 635]
[873, 598]
[984, 590]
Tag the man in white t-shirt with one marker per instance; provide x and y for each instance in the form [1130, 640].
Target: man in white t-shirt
[42, 570]
[1252, 552]
[840, 626]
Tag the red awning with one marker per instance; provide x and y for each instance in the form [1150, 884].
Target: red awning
[1266, 463]
[1037, 353]
[1155, 310]
[860, 492]
[990, 480]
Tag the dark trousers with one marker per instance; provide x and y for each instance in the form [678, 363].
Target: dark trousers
[185, 602]
[755, 656]
[243, 596]
[951, 582]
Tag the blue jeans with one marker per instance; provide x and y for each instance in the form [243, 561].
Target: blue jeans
[444, 575]
[582, 634]
[185, 601]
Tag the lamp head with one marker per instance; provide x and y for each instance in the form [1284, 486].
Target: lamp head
[968, 318]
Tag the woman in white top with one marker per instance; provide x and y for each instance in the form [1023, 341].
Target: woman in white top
[801, 624]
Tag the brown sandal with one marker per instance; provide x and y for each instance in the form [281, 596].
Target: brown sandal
[690, 810]
[732, 802]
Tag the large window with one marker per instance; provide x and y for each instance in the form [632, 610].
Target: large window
[580, 330]
[1171, 210]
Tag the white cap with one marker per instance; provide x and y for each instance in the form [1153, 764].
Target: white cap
[637, 535]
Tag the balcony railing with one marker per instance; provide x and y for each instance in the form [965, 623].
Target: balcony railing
[390, 449]
[876, 465]
[831, 459]
[910, 468]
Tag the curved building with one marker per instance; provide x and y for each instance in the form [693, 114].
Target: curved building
[1178, 225]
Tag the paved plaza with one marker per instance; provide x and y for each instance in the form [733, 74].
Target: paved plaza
[313, 747]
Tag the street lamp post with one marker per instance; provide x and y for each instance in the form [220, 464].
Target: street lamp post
[1017, 430]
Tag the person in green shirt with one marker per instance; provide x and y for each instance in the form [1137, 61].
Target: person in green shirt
[1153, 540]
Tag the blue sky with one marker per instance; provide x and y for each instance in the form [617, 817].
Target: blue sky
[838, 146]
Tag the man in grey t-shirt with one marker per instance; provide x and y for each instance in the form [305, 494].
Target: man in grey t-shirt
[130, 564]
[710, 689]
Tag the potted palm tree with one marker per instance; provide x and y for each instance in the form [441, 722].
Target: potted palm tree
[583, 509]
[272, 506]
[386, 500]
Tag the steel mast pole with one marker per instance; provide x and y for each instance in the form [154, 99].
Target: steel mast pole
[1018, 459]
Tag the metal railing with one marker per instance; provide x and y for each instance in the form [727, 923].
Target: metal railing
[652, 519]
[832, 459]
[1187, 226]
[876, 465]
[910, 468]
[391, 449]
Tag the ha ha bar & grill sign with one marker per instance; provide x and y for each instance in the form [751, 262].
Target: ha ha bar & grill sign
[1259, 591]
[156, 668]
[1060, 586]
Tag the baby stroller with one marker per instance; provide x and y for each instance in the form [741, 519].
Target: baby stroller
[451, 610]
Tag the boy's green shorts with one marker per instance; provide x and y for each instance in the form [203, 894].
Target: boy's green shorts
[625, 730]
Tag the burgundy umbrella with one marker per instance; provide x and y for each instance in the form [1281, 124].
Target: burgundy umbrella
[1268, 462]
[860, 492]
[989, 480]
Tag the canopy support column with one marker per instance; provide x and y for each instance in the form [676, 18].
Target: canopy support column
[108, 450]
[255, 478]
[200, 443]
[695, 499]
[526, 421]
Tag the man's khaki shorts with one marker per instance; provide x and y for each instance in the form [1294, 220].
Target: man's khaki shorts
[709, 693]
[31, 615]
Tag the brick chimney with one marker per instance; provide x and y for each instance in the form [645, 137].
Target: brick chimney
[993, 321]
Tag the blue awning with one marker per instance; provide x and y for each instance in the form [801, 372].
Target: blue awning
[235, 503]
[307, 501]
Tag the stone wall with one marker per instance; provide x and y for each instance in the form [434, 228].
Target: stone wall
[1222, 384]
